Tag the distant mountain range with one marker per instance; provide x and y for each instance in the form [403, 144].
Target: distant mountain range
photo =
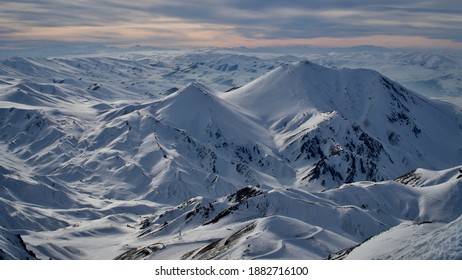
[136, 158]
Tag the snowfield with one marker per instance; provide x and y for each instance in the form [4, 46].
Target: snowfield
[224, 155]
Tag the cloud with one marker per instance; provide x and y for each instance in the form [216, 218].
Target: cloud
[220, 22]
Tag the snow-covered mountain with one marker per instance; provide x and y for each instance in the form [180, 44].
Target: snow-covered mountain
[350, 124]
[107, 157]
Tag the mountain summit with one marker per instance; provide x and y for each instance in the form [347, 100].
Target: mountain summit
[351, 124]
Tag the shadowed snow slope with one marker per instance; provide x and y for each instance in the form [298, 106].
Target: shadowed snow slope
[12, 247]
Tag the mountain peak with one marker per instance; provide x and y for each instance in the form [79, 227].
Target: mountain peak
[196, 88]
[196, 108]
[302, 65]
[304, 87]
[193, 97]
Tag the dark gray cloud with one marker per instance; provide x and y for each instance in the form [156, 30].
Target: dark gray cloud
[269, 19]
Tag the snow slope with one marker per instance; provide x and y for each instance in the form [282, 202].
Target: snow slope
[253, 224]
[414, 241]
[133, 157]
[435, 236]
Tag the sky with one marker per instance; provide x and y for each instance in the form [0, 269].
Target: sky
[233, 23]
